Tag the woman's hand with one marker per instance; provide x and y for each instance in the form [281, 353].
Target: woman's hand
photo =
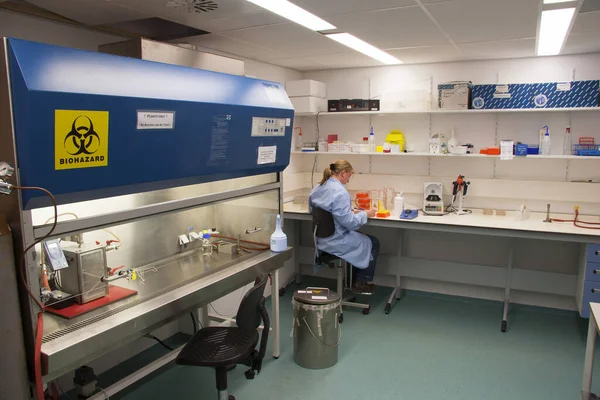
[371, 213]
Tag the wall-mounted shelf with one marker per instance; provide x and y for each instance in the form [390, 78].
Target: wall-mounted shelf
[426, 112]
[423, 154]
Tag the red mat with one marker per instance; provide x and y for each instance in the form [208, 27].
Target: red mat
[115, 293]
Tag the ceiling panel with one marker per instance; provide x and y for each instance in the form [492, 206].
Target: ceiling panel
[175, 10]
[398, 28]
[250, 20]
[325, 8]
[502, 49]
[288, 38]
[344, 60]
[299, 64]
[235, 47]
[419, 55]
[587, 22]
[487, 20]
[583, 43]
[90, 12]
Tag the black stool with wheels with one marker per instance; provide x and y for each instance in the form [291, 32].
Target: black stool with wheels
[223, 347]
[324, 227]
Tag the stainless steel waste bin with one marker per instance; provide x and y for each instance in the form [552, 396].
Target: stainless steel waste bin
[317, 331]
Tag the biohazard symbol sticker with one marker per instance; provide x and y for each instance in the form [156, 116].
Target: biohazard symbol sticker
[80, 139]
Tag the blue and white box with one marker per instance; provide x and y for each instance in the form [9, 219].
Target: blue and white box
[565, 94]
[492, 97]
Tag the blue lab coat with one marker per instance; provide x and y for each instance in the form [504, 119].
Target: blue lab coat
[347, 244]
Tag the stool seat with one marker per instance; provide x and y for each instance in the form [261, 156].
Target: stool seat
[218, 346]
[327, 258]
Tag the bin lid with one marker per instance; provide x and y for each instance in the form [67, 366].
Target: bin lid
[318, 296]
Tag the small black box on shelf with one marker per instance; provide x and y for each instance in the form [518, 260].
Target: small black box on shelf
[345, 105]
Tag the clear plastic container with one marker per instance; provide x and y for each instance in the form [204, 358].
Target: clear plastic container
[568, 143]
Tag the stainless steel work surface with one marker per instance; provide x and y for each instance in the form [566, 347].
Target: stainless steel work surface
[168, 290]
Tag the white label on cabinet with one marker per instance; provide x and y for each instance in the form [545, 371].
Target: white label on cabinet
[155, 120]
[267, 155]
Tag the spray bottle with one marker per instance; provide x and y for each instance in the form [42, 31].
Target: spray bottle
[372, 147]
[546, 143]
[278, 238]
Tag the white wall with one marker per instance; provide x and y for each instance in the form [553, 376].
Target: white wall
[495, 184]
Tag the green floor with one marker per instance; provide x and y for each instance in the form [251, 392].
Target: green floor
[429, 347]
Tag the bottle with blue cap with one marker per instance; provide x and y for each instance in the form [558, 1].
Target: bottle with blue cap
[278, 238]
[206, 244]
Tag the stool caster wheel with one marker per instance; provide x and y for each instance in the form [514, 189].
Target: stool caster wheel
[503, 328]
[366, 311]
[282, 292]
[341, 318]
[231, 397]
[250, 374]
[388, 308]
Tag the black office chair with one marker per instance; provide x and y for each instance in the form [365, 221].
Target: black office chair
[224, 347]
[324, 227]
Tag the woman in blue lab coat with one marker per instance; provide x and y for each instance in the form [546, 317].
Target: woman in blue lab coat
[356, 248]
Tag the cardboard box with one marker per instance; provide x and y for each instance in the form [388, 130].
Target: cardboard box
[306, 87]
[308, 104]
[492, 97]
[455, 95]
[565, 94]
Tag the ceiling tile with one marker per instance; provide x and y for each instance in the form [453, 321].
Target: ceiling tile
[176, 10]
[582, 43]
[324, 8]
[345, 60]
[420, 55]
[299, 64]
[500, 49]
[250, 20]
[91, 12]
[234, 47]
[403, 27]
[487, 20]
[288, 38]
[587, 22]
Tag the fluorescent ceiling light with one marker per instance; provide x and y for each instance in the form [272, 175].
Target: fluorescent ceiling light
[294, 13]
[553, 30]
[359, 45]
[557, 1]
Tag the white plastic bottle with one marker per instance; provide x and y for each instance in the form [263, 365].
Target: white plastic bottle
[546, 144]
[278, 238]
[399, 204]
[372, 147]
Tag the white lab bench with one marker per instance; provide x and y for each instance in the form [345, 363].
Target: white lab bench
[588, 280]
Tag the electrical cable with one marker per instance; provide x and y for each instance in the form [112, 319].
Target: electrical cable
[54, 391]
[37, 355]
[62, 391]
[163, 344]
[103, 392]
[194, 322]
[227, 315]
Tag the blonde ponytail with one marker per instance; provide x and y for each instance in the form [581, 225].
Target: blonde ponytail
[335, 169]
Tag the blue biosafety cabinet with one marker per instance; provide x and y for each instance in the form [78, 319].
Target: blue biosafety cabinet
[89, 125]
